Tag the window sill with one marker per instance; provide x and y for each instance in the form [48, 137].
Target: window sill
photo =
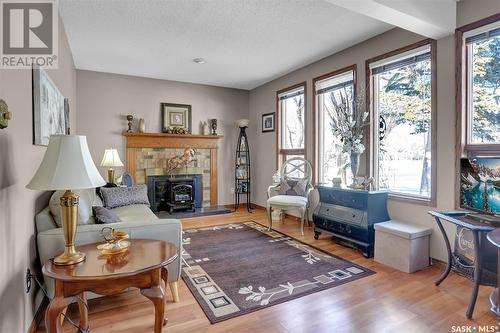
[412, 199]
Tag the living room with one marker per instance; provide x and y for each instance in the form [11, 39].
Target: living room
[278, 166]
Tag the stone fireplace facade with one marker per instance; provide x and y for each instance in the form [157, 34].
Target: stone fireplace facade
[148, 154]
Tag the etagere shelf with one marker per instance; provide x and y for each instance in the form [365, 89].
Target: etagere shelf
[242, 170]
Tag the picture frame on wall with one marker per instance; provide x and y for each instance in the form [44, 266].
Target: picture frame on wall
[268, 122]
[50, 108]
[175, 115]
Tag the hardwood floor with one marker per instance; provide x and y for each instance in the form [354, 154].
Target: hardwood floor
[389, 301]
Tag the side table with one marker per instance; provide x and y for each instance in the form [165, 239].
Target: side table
[141, 266]
[494, 238]
[478, 272]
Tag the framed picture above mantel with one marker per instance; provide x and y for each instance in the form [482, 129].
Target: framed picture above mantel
[175, 116]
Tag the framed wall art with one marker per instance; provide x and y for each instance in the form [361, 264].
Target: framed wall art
[268, 120]
[50, 109]
[175, 115]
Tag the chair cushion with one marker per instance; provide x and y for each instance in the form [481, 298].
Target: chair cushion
[293, 186]
[287, 200]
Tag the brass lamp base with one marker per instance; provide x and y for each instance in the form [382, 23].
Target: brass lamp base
[69, 209]
[111, 176]
[69, 257]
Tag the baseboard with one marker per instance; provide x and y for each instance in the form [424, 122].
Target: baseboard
[244, 205]
[39, 315]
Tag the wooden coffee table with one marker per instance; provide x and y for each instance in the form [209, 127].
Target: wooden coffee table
[141, 266]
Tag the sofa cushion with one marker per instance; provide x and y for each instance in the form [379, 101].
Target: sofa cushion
[104, 215]
[132, 213]
[88, 198]
[124, 196]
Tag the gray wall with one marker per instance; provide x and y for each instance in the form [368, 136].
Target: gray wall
[18, 161]
[105, 99]
[262, 100]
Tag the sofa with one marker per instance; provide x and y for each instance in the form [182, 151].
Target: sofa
[136, 219]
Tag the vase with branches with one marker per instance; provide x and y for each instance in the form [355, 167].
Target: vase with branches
[349, 125]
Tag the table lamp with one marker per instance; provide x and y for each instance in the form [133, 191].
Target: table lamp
[67, 165]
[111, 159]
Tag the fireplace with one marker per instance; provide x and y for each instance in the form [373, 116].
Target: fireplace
[182, 192]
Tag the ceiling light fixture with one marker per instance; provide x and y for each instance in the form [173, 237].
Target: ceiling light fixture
[199, 61]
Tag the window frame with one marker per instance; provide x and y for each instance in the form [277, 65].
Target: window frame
[464, 114]
[372, 154]
[281, 153]
[316, 117]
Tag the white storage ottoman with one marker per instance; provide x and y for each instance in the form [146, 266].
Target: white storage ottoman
[402, 246]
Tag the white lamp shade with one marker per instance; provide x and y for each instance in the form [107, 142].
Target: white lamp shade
[66, 165]
[111, 159]
[242, 122]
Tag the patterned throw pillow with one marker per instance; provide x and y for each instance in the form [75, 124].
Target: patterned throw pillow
[104, 215]
[293, 186]
[124, 196]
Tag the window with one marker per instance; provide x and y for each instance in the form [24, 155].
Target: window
[482, 50]
[332, 90]
[291, 123]
[402, 122]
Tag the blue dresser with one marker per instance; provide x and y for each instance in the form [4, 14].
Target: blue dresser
[349, 215]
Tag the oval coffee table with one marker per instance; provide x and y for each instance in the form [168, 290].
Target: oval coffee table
[141, 266]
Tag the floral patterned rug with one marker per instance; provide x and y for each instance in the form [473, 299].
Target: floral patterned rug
[234, 269]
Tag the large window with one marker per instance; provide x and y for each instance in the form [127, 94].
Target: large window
[483, 84]
[291, 123]
[402, 122]
[331, 92]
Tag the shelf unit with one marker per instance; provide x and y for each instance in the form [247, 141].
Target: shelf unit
[242, 170]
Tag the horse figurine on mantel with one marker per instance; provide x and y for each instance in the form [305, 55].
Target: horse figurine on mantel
[181, 160]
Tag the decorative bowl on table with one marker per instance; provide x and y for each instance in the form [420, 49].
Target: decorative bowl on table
[116, 241]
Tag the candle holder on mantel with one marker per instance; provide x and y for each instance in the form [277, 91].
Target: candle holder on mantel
[213, 126]
[129, 119]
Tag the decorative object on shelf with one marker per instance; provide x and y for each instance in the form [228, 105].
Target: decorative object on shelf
[181, 160]
[213, 126]
[337, 182]
[5, 115]
[111, 159]
[176, 116]
[116, 241]
[349, 216]
[362, 183]
[67, 165]
[49, 116]
[204, 128]
[130, 118]
[268, 122]
[142, 126]
[242, 166]
[176, 130]
[349, 124]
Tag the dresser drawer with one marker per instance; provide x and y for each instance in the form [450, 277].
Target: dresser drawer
[356, 200]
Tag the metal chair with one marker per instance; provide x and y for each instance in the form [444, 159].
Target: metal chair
[294, 169]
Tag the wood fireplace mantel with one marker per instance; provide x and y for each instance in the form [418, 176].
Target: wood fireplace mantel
[163, 140]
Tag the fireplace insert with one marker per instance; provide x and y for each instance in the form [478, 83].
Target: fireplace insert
[175, 193]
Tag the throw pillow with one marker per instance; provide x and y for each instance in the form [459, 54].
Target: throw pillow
[124, 196]
[293, 186]
[103, 215]
[88, 198]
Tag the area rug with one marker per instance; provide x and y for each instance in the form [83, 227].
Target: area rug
[234, 269]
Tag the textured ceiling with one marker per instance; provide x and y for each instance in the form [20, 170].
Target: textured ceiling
[245, 42]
